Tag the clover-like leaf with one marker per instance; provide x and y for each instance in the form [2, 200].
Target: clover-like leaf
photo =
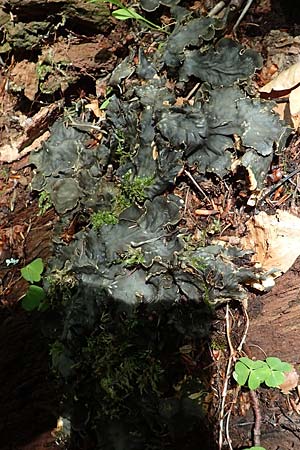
[274, 379]
[33, 298]
[263, 372]
[247, 362]
[258, 364]
[241, 373]
[254, 380]
[32, 272]
[276, 364]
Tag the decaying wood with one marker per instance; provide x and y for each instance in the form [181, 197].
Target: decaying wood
[33, 134]
[275, 319]
[91, 17]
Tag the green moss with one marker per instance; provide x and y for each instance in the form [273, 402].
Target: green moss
[123, 153]
[120, 204]
[132, 257]
[133, 188]
[101, 218]
[44, 202]
[218, 344]
[122, 368]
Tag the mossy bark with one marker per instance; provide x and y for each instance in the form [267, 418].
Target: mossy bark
[25, 21]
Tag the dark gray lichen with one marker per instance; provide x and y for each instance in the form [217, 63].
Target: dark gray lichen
[131, 292]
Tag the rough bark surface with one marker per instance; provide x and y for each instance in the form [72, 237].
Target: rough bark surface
[275, 319]
[90, 17]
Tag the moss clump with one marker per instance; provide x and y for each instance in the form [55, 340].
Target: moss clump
[44, 202]
[101, 218]
[133, 188]
[123, 370]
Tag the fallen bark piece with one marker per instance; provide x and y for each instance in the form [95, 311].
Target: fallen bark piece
[274, 239]
[34, 133]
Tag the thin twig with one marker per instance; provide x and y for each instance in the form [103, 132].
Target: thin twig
[257, 346]
[186, 200]
[247, 6]
[257, 416]
[277, 185]
[227, 377]
[237, 390]
[245, 331]
[216, 9]
[197, 185]
[192, 91]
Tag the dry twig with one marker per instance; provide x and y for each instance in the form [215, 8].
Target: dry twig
[227, 377]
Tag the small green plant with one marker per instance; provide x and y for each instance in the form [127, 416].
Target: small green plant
[123, 154]
[35, 295]
[133, 188]
[124, 13]
[132, 257]
[48, 66]
[101, 218]
[105, 103]
[254, 373]
[44, 202]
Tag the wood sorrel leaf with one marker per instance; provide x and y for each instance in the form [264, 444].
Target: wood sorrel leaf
[241, 373]
[34, 296]
[32, 272]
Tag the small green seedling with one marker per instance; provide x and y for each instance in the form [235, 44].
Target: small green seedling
[35, 295]
[257, 448]
[125, 13]
[254, 373]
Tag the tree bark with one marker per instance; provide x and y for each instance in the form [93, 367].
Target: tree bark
[90, 17]
[275, 319]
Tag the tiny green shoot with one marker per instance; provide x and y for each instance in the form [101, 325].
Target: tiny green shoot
[126, 13]
[133, 187]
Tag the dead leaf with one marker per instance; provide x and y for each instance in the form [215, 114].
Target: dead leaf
[296, 121]
[287, 79]
[274, 239]
[290, 381]
[94, 106]
[295, 100]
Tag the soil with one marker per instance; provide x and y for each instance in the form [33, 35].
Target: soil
[29, 405]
